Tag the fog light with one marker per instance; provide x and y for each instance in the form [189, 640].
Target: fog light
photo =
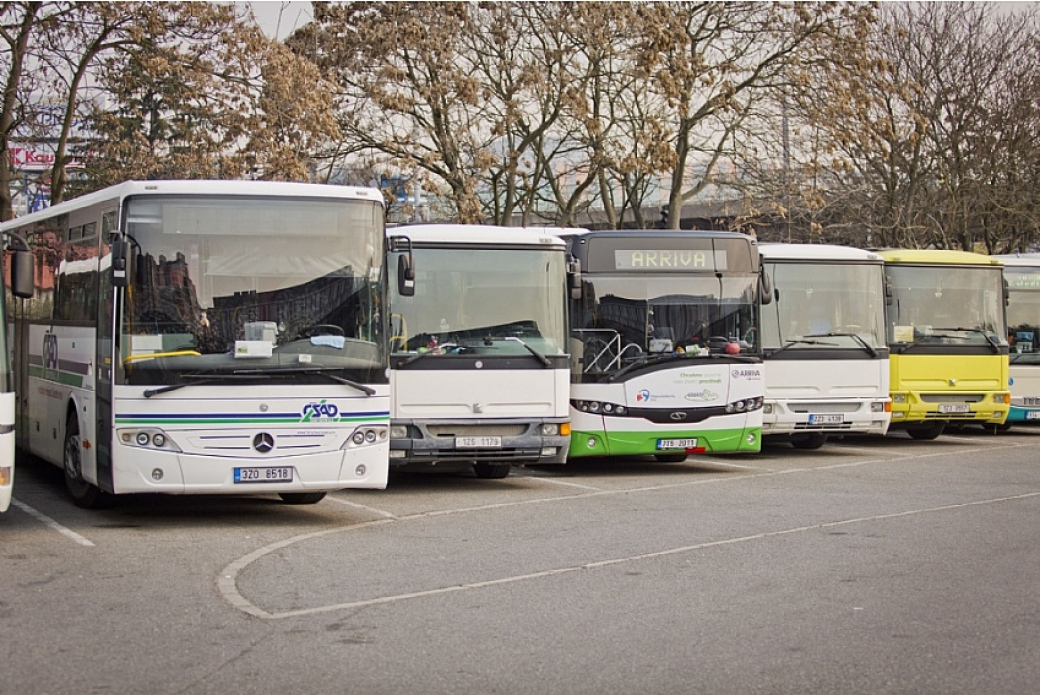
[751, 438]
[157, 474]
[397, 453]
[548, 451]
[360, 470]
[591, 443]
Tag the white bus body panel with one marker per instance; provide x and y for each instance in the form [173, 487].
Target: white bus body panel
[482, 394]
[215, 435]
[799, 389]
[6, 448]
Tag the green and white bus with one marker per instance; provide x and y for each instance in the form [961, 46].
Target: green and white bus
[206, 337]
[666, 357]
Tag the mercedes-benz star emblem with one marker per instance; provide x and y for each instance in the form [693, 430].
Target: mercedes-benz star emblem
[263, 442]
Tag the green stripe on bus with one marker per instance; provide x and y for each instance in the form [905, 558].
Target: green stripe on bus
[645, 443]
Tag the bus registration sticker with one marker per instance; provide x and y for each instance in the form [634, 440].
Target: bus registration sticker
[478, 442]
[677, 444]
[281, 474]
[815, 419]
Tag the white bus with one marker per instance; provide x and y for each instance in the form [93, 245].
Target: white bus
[1022, 278]
[666, 357]
[479, 372]
[823, 337]
[17, 276]
[206, 337]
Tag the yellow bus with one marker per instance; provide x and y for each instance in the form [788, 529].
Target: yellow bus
[947, 335]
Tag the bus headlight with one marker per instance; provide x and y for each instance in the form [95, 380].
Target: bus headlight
[147, 438]
[899, 398]
[398, 432]
[550, 429]
[367, 435]
[1002, 398]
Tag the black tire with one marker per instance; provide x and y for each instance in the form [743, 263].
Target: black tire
[491, 471]
[808, 442]
[928, 432]
[670, 458]
[302, 497]
[84, 494]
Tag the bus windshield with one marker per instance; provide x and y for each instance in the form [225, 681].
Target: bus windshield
[824, 306]
[262, 286]
[481, 301]
[624, 318]
[946, 305]
[1023, 313]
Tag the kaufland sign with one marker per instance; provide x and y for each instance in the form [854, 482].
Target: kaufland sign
[30, 159]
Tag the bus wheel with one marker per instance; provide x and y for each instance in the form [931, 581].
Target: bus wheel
[83, 493]
[670, 458]
[928, 432]
[809, 441]
[302, 497]
[489, 471]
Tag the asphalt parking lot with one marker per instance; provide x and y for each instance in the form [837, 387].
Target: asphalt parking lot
[870, 565]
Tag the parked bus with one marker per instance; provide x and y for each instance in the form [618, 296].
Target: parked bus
[1022, 275]
[192, 337]
[19, 272]
[823, 339]
[479, 372]
[666, 360]
[948, 340]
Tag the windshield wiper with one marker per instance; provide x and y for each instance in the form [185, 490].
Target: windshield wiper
[800, 341]
[993, 342]
[659, 358]
[859, 339]
[323, 371]
[196, 380]
[539, 356]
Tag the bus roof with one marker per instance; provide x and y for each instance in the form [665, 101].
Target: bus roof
[475, 235]
[817, 252]
[202, 187]
[936, 257]
[651, 233]
[1019, 259]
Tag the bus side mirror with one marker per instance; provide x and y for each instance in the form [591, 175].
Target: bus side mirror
[22, 267]
[406, 274]
[121, 263]
[888, 292]
[765, 284]
[1007, 292]
[574, 279]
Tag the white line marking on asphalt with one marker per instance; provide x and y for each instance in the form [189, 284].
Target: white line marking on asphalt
[561, 482]
[352, 605]
[227, 582]
[52, 524]
[364, 507]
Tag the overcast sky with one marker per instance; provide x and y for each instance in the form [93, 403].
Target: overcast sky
[278, 18]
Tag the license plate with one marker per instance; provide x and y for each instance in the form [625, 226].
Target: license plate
[683, 444]
[826, 419]
[282, 474]
[1035, 415]
[954, 408]
[478, 442]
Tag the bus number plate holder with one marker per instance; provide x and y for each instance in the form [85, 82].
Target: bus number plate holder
[815, 419]
[267, 474]
[1033, 415]
[955, 408]
[681, 444]
[478, 442]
